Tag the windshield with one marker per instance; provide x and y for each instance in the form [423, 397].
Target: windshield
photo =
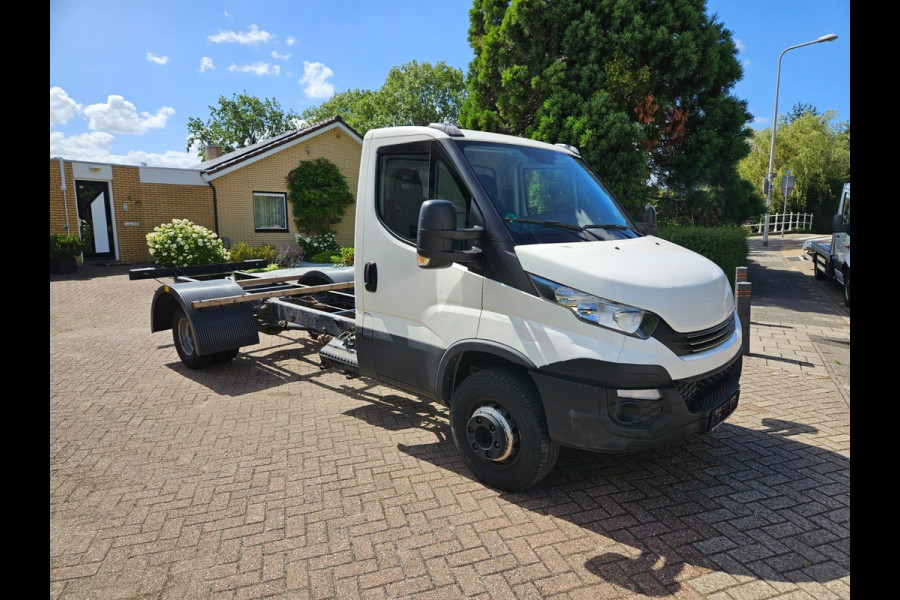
[545, 196]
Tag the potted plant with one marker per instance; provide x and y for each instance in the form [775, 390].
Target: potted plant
[63, 250]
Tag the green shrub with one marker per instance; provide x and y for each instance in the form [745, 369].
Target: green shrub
[66, 246]
[319, 195]
[725, 246]
[322, 257]
[344, 258]
[181, 243]
[243, 251]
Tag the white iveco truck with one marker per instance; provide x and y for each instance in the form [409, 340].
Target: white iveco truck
[497, 276]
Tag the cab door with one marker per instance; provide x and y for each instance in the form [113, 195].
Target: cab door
[411, 315]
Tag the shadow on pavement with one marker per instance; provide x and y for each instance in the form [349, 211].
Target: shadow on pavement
[254, 369]
[748, 502]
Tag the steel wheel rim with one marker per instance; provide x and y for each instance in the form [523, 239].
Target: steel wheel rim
[492, 434]
[185, 337]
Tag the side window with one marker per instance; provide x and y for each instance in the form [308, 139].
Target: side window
[402, 189]
[406, 180]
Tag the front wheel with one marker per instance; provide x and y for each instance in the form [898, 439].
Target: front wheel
[500, 430]
[847, 287]
[186, 341]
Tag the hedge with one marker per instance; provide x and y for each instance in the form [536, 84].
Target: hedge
[243, 251]
[725, 246]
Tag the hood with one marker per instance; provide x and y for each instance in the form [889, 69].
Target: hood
[687, 290]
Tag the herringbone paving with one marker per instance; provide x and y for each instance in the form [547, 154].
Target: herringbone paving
[267, 477]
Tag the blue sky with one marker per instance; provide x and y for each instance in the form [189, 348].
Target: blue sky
[125, 77]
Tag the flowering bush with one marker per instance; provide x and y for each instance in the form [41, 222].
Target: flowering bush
[318, 244]
[181, 244]
[289, 257]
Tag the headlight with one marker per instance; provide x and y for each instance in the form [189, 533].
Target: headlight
[597, 311]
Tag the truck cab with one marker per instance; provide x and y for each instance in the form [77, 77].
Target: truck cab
[498, 276]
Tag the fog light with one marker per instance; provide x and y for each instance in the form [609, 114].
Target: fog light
[639, 394]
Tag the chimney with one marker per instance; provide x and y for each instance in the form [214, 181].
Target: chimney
[212, 151]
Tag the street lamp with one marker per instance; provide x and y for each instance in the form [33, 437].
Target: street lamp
[770, 175]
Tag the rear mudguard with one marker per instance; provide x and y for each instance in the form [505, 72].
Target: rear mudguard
[216, 328]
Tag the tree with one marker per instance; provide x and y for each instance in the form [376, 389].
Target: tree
[815, 149]
[241, 121]
[800, 109]
[319, 195]
[642, 89]
[412, 94]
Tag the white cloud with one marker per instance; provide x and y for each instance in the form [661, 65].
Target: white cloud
[254, 35]
[95, 146]
[314, 76]
[280, 56]
[291, 40]
[228, 15]
[741, 46]
[206, 63]
[760, 120]
[259, 68]
[160, 60]
[746, 63]
[62, 107]
[118, 115]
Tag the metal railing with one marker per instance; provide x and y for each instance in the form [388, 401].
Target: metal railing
[782, 222]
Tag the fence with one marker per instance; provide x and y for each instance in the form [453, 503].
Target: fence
[782, 222]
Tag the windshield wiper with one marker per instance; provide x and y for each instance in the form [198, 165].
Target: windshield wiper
[559, 224]
[615, 226]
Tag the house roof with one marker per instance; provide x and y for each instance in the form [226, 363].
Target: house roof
[233, 158]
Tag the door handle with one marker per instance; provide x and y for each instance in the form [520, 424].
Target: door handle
[370, 276]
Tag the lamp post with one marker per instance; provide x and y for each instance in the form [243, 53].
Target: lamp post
[770, 176]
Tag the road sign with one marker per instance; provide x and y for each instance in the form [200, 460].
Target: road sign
[787, 185]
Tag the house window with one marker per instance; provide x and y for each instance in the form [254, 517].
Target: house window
[269, 212]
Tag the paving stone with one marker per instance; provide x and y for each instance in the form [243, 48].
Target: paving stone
[267, 477]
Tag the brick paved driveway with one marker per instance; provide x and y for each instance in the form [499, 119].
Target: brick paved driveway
[267, 477]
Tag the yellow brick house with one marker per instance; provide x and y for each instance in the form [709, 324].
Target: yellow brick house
[241, 195]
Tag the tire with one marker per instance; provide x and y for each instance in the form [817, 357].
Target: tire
[847, 287]
[225, 355]
[820, 274]
[186, 341]
[513, 396]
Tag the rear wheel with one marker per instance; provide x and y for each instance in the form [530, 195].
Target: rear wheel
[186, 341]
[820, 274]
[847, 287]
[500, 430]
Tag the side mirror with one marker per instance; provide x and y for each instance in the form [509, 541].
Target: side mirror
[437, 232]
[649, 224]
[837, 223]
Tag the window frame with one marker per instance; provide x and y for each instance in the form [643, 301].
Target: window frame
[283, 197]
[434, 151]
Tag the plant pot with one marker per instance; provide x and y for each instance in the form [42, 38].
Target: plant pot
[63, 266]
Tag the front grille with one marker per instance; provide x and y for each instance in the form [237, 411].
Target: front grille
[696, 341]
[701, 395]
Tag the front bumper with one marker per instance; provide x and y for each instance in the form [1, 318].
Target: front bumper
[583, 412]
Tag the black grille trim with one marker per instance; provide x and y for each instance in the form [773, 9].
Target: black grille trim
[695, 341]
[705, 393]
